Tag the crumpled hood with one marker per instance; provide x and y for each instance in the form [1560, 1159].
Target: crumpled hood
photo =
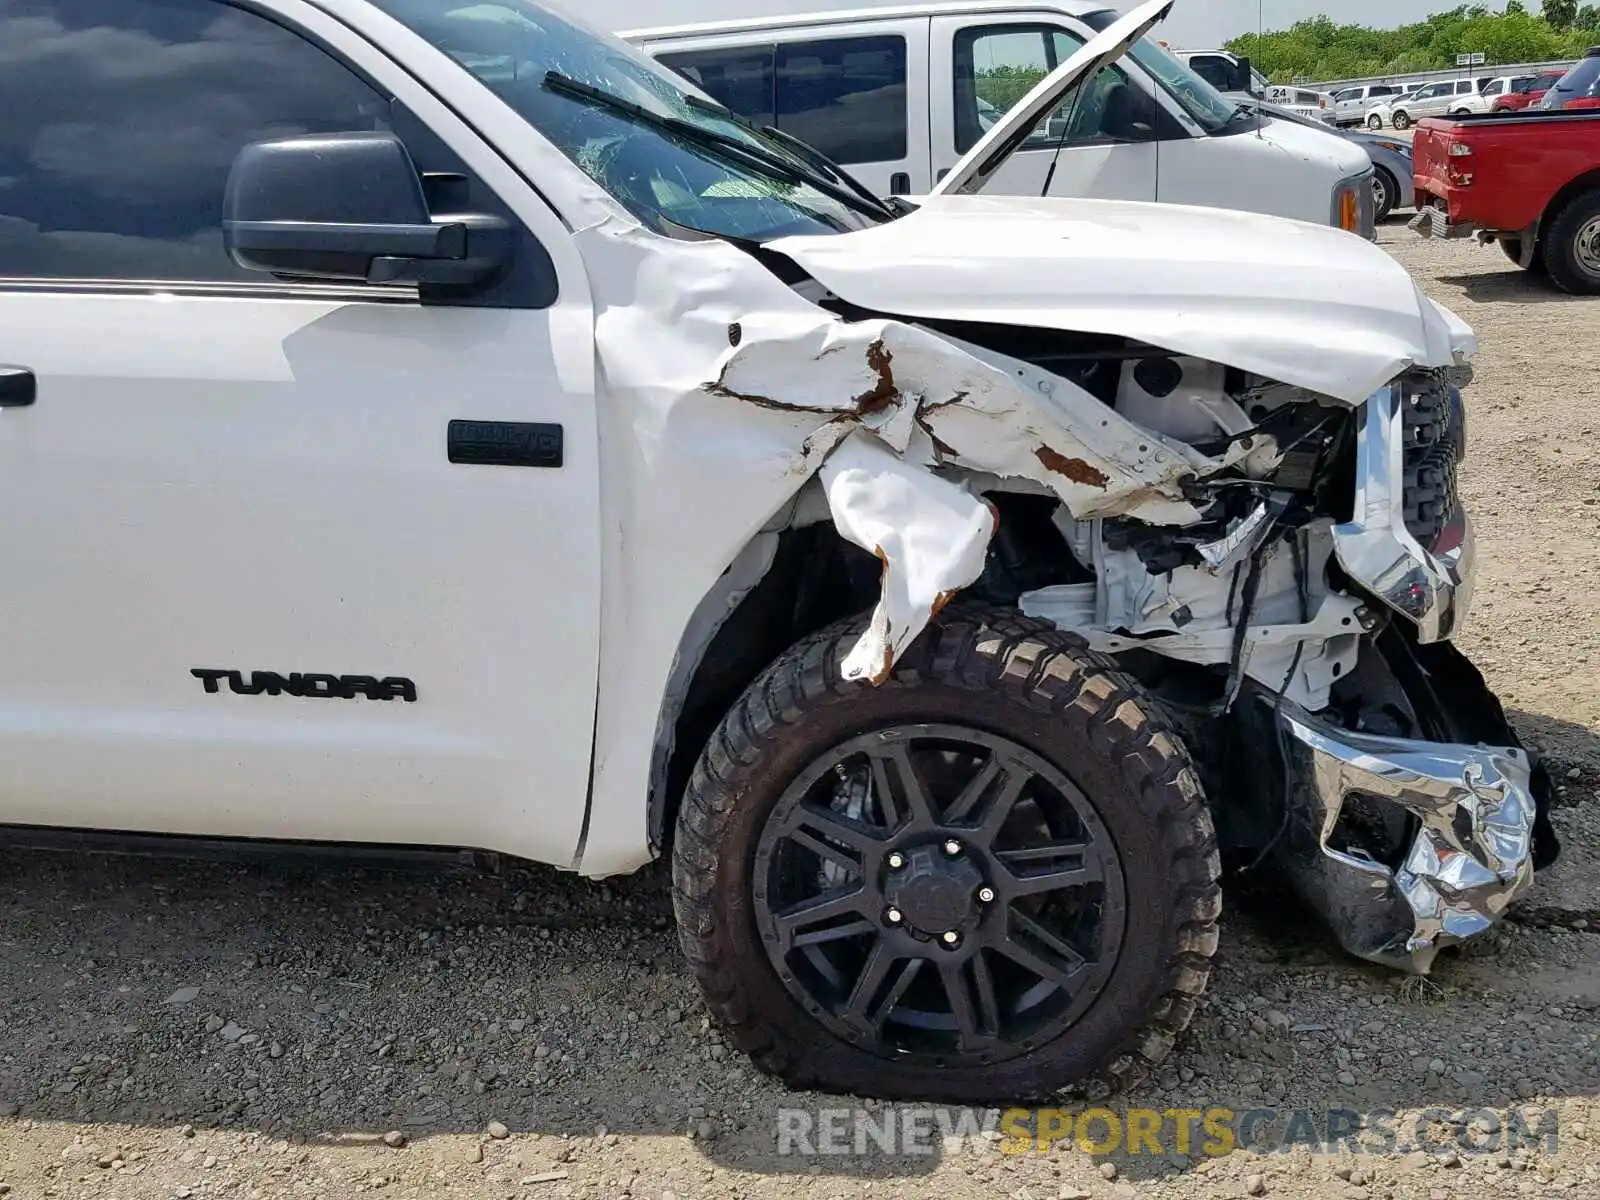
[1302, 304]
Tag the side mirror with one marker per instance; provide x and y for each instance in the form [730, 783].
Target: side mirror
[350, 206]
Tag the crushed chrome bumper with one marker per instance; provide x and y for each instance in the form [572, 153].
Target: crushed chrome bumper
[1432, 586]
[1472, 809]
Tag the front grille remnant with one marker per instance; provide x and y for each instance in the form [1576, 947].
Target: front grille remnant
[1435, 440]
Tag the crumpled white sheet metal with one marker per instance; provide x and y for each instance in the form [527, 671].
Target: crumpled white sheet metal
[730, 377]
[722, 392]
[930, 534]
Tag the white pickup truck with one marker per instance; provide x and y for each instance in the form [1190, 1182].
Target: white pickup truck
[440, 426]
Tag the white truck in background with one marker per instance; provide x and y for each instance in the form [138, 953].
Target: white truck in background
[1233, 76]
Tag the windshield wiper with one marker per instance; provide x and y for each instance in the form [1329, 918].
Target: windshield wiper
[808, 154]
[726, 145]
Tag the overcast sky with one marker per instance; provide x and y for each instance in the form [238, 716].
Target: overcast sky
[1194, 24]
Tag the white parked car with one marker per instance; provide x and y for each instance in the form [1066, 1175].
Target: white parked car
[439, 425]
[899, 94]
[1448, 97]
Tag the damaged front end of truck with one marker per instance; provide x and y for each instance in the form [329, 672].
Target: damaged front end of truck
[983, 566]
[1267, 535]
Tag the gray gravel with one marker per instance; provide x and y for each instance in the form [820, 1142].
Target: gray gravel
[295, 1029]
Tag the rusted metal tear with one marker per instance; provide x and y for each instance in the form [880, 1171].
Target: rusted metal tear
[721, 389]
[1074, 469]
[884, 392]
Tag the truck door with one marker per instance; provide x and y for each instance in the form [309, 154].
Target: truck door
[855, 92]
[258, 581]
[1100, 144]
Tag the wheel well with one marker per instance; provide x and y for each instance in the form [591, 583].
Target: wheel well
[815, 579]
[1587, 182]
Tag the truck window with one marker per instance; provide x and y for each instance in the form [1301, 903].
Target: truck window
[845, 96]
[119, 124]
[1216, 71]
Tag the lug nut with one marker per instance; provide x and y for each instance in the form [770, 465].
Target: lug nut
[986, 895]
[952, 847]
[893, 916]
[896, 861]
[950, 938]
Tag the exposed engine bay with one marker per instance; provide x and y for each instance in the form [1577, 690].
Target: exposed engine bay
[1310, 667]
[1297, 631]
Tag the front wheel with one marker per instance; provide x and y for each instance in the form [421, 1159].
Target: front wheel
[990, 878]
[1402, 119]
[1385, 190]
[1374, 122]
[1571, 246]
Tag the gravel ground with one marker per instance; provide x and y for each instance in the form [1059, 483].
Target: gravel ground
[315, 1029]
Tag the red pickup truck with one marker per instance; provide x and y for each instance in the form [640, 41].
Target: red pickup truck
[1529, 181]
[1526, 92]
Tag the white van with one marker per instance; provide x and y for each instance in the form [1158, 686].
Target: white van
[898, 95]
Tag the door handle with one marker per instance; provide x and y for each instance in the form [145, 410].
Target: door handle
[18, 387]
[900, 184]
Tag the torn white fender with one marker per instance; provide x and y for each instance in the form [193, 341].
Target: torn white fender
[933, 402]
[930, 534]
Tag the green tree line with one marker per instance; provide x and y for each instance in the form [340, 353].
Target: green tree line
[1320, 50]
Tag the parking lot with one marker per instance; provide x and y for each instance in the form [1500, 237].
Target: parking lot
[319, 1029]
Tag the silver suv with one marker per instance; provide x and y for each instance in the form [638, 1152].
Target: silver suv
[1445, 97]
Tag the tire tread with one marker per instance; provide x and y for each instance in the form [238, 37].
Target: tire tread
[976, 649]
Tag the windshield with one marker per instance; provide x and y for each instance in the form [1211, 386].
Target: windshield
[1202, 102]
[658, 173]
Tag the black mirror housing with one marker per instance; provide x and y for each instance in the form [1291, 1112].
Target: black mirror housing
[350, 207]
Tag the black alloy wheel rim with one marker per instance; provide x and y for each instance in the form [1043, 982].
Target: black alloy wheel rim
[940, 894]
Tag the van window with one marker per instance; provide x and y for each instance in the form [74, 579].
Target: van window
[744, 79]
[997, 65]
[845, 96]
[1382, 90]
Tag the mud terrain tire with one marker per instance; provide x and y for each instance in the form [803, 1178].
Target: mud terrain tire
[1016, 681]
